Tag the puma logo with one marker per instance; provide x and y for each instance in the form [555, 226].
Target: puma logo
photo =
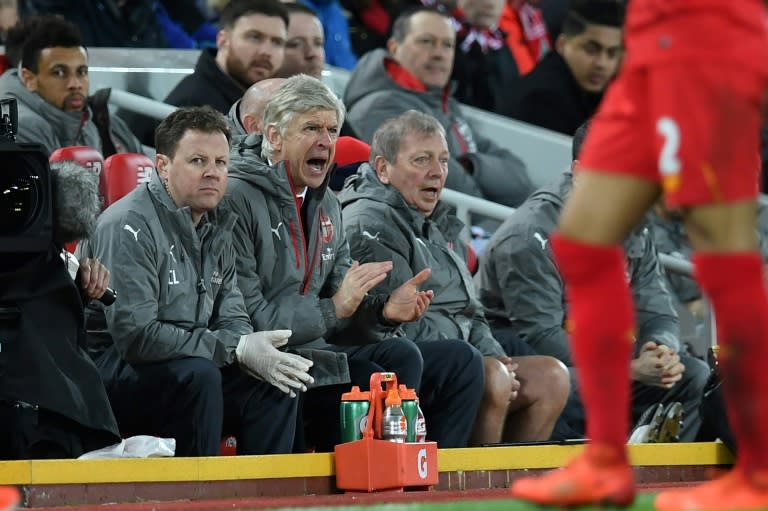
[538, 237]
[173, 257]
[368, 235]
[276, 231]
[133, 231]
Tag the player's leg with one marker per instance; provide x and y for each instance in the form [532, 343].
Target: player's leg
[603, 207]
[716, 198]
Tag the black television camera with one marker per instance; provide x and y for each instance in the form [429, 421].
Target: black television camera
[40, 210]
[26, 205]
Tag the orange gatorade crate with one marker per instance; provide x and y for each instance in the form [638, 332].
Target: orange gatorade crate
[372, 464]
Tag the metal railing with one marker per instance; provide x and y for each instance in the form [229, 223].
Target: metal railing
[466, 205]
[140, 104]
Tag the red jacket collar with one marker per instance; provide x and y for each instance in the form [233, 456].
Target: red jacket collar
[402, 76]
[408, 81]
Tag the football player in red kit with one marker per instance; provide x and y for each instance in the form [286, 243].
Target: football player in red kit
[683, 120]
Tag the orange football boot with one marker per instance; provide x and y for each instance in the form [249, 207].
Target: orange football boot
[599, 476]
[9, 498]
[732, 492]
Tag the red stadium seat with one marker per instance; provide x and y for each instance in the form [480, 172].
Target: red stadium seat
[228, 446]
[472, 262]
[125, 171]
[351, 150]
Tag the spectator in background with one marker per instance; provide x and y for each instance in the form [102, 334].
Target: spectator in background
[181, 359]
[484, 67]
[9, 16]
[295, 272]
[250, 46]
[185, 27]
[304, 49]
[522, 291]
[415, 74]
[52, 90]
[14, 45]
[392, 213]
[370, 21]
[338, 48]
[522, 21]
[566, 87]
[121, 23]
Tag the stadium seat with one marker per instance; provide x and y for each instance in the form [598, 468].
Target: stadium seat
[125, 171]
[472, 262]
[228, 446]
[350, 152]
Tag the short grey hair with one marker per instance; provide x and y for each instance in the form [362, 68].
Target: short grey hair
[298, 95]
[386, 140]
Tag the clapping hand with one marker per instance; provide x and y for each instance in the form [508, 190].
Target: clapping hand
[407, 303]
[359, 279]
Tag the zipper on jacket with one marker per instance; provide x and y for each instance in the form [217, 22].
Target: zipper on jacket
[201, 289]
[311, 268]
[301, 232]
[295, 242]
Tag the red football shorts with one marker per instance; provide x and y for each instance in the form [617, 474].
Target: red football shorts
[691, 126]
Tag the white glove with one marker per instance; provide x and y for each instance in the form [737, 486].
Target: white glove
[259, 356]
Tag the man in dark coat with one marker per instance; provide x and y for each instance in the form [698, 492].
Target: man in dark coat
[250, 47]
[565, 88]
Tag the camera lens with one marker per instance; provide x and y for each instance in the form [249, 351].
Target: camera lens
[20, 194]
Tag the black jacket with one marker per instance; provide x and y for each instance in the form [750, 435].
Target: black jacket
[485, 80]
[550, 97]
[104, 23]
[42, 356]
[208, 85]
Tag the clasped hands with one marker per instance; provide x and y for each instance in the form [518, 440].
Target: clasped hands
[657, 365]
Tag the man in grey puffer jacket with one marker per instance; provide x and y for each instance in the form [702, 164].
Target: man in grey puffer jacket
[522, 290]
[295, 271]
[52, 89]
[392, 212]
[181, 357]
